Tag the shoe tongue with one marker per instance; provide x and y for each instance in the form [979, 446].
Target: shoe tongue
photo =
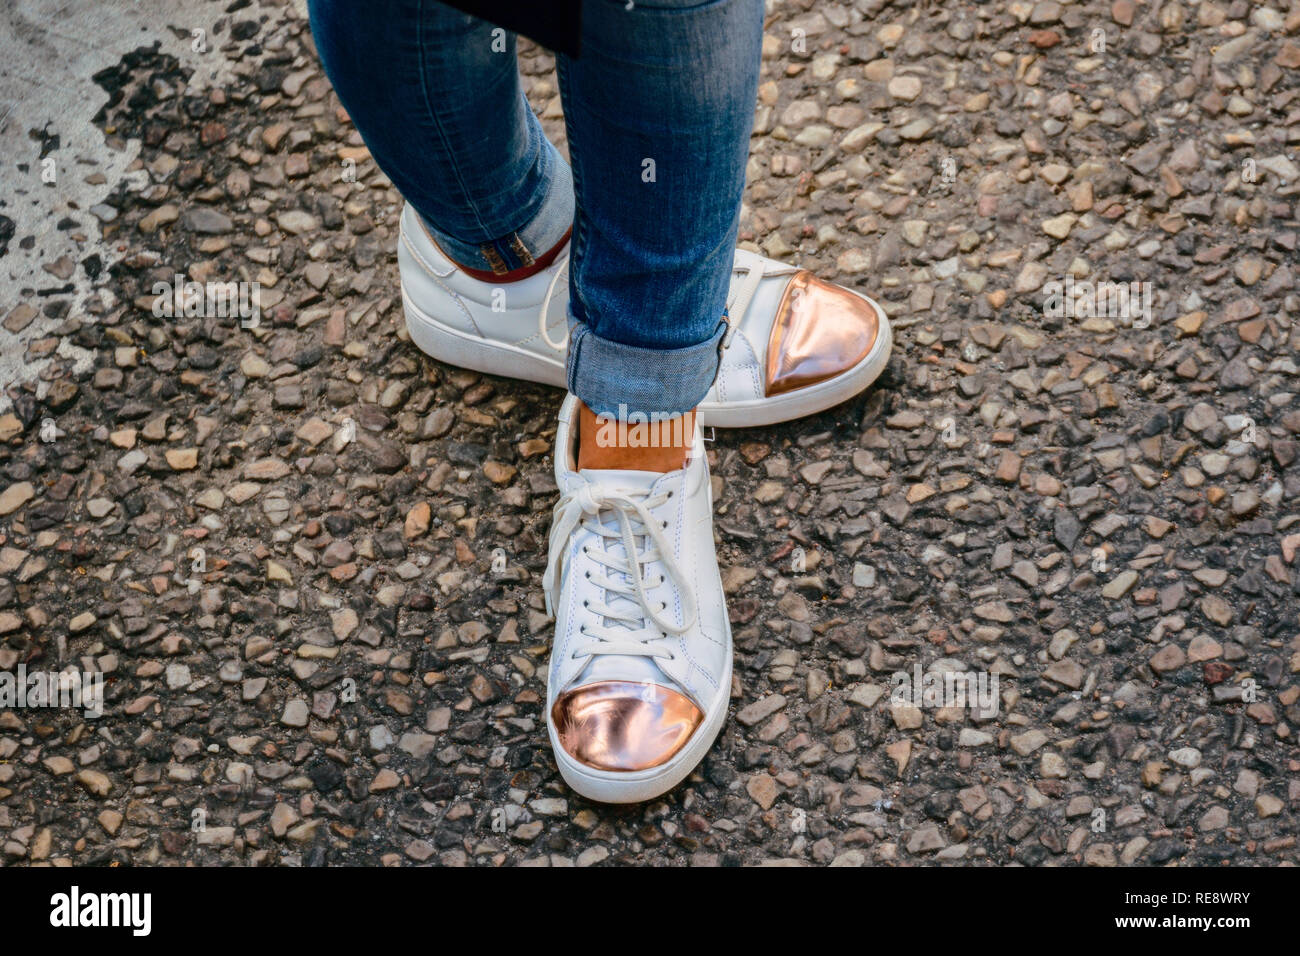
[610, 666]
[622, 479]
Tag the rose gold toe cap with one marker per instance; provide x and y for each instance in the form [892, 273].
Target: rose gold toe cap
[820, 331]
[624, 725]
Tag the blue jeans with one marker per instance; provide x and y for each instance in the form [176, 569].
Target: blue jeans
[658, 108]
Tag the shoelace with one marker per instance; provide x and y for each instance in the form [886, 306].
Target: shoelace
[737, 301]
[561, 269]
[633, 510]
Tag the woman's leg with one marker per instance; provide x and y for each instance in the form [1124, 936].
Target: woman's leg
[659, 108]
[436, 96]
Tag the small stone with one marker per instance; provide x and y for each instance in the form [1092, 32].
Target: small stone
[927, 839]
[417, 520]
[762, 789]
[1119, 585]
[266, 469]
[906, 88]
[182, 459]
[15, 496]
[97, 783]
[343, 622]
[760, 710]
[162, 216]
[295, 222]
[282, 818]
[864, 576]
[1168, 658]
[1026, 743]
[206, 221]
[1058, 227]
[1203, 648]
[1267, 805]
[296, 712]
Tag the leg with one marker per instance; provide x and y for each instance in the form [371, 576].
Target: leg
[659, 108]
[436, 96]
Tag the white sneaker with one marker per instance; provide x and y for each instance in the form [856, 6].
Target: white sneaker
[640, 672]
[796, 345]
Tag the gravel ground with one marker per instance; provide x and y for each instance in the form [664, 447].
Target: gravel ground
[307, 559]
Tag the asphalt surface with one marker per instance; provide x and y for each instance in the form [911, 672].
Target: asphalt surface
[306, 559]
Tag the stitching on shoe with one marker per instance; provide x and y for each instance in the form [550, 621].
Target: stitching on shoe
[437, 278]
[753, 368]
[424, 263]
[569, 613]
[681, 640]
[406, 238]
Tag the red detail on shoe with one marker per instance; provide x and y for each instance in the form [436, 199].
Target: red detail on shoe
[514, 275]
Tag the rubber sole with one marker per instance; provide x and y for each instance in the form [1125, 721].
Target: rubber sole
[467, 350]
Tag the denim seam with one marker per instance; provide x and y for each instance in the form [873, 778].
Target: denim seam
[520, 250]
[495, 262]
[578, 239]
[437, 124]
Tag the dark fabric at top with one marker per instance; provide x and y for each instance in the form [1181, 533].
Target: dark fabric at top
[552, 23]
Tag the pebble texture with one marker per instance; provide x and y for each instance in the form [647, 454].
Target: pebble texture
[307, 559]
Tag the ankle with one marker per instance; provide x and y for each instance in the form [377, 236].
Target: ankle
[604, 443]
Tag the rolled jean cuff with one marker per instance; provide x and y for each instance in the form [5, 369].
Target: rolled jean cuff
[619, 380]
[539, 235]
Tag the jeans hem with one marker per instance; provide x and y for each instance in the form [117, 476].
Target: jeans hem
[619, 380]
